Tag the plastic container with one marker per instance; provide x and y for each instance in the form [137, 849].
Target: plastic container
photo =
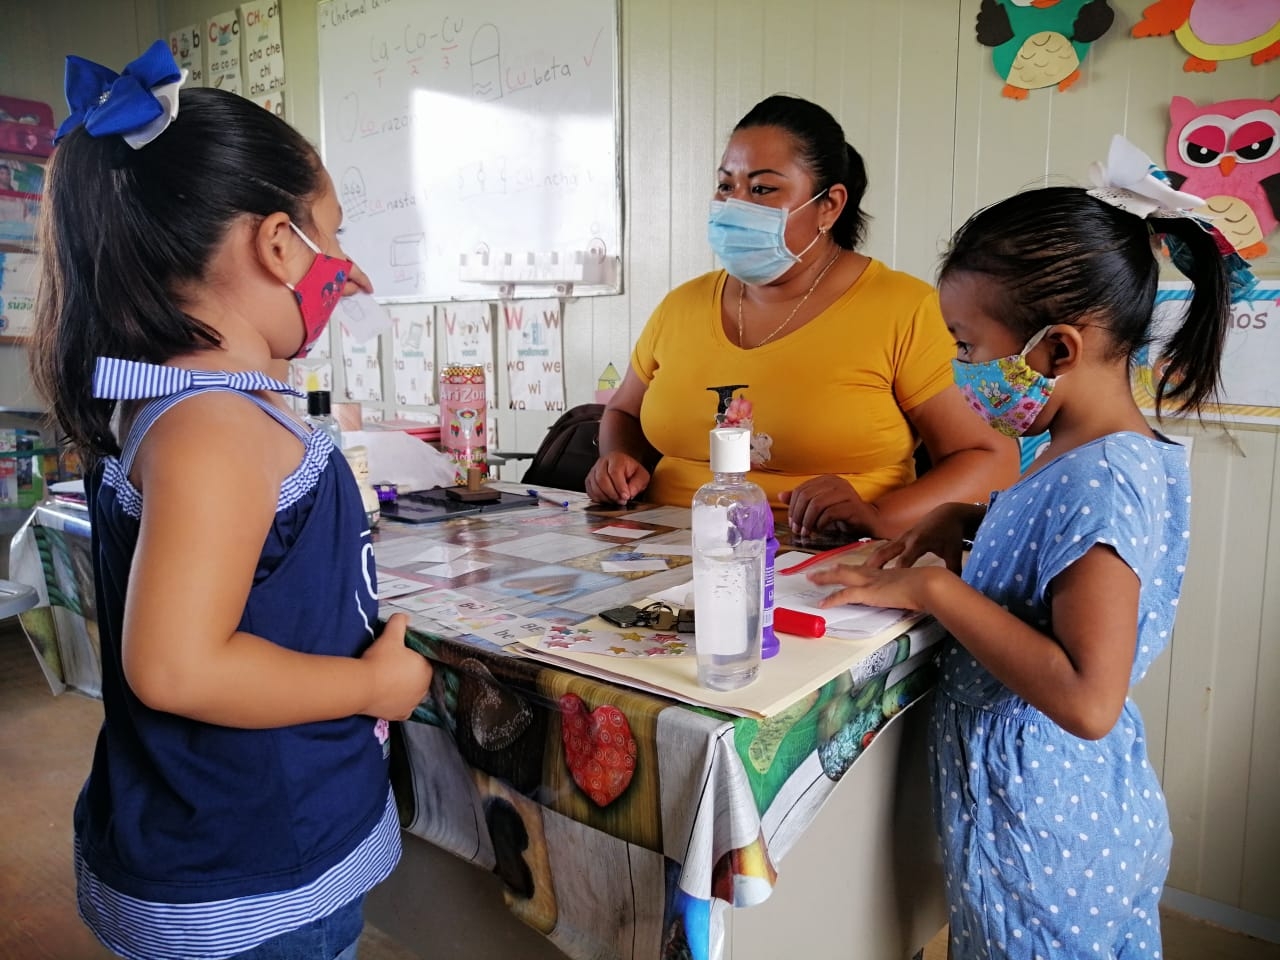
[358, 459]
[731, 522]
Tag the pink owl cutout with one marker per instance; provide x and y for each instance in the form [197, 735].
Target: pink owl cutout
[1229, 154]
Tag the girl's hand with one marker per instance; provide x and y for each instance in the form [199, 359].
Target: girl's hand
[941, 532]
[902, 588]
[401, 676]
[829, 501]
[616, 478]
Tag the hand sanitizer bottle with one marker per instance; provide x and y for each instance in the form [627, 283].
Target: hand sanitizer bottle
[320, 417]
[731, 520]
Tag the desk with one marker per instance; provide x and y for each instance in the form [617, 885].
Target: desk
[648, 868]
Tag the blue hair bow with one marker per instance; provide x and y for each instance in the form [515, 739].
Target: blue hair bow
[137, 104]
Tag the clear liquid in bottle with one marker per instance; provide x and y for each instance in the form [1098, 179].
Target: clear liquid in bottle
[729, 518]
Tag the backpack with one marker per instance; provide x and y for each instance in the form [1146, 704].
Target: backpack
[568, 451]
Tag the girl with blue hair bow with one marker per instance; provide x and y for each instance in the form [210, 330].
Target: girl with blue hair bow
[238, 804]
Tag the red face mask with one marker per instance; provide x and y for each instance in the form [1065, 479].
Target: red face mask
[318, 292]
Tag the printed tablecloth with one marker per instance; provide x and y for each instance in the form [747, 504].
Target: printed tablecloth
[621, 823]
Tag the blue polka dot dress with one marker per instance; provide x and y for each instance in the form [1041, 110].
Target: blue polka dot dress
[1056, 846]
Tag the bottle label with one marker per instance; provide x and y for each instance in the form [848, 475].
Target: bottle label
[463, 431]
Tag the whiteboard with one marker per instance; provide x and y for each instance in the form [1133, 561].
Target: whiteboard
[474, 146]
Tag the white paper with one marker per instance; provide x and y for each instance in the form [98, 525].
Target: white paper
[222, 52]
[392, 586]
[262, 55]
[187, 46]
[418, 603]
[468, 339]
[535, 358]
[396, 457]
[440, 553]
[665, 549]
[456, 568]
[852, 621]
[413, 353]
[647, 565]
[362, 369]
[626, 533]
[547, 547]
[362, 317]
[1250, 390]
[504, 634]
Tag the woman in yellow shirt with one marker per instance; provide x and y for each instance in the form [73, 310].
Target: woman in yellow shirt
[842, 365]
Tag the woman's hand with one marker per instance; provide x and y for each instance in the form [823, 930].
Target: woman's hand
[829, 501]
[401, 675]
[616, 478]
[941, 532]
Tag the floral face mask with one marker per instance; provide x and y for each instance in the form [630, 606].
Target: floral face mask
[1006, 392]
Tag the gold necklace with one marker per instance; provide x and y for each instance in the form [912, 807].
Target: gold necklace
[790, 316]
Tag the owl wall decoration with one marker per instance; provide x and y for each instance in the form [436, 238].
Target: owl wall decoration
[1213, 30]
[1229, 154]
[1040, 43]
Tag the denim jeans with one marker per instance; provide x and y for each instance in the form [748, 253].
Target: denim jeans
[334, 937]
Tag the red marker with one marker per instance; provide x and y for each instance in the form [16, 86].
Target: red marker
[799, 624]
[825, 555]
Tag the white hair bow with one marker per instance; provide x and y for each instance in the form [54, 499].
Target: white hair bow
[1130, 181]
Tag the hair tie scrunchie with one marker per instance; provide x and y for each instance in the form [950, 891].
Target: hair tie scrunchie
[137, 104]
[1129, 181]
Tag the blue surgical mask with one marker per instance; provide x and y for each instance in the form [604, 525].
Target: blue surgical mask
[750, 239]
[1007, 392]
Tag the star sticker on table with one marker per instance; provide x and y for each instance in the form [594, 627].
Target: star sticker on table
[632, 635]
[563, 644]
[619, 651]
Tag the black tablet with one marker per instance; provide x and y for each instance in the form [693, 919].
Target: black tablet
[434, 505]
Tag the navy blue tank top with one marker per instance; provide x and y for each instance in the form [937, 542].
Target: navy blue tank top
[177, 811]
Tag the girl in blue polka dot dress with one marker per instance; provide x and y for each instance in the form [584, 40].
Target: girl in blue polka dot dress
[1054, 830]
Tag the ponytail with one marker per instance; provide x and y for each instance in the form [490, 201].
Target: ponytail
[851, 226]
[1192, 357]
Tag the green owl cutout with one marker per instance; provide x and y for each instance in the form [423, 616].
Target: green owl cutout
[1040, 43]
